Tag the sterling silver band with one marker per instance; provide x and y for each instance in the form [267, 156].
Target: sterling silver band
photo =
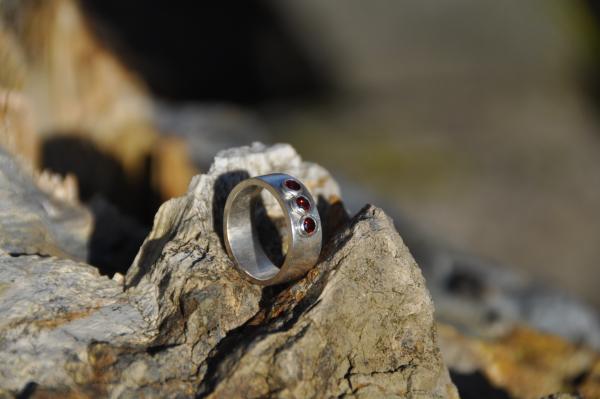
[302, 223]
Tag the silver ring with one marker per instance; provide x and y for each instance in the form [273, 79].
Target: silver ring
[302, 223]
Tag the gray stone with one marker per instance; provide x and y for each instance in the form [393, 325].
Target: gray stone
[362, 328]
[486, 299]
[33, 221]
[184, 323]
[52, 310]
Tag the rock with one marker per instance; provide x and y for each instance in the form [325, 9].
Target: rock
[360, 324]
[73, 82]
[361, 327]
[488, 300]
[481, 305]
[207, 128]
[53, 311]
[192, 134]
[35, 222]
[17, 135]
[523, 363]
[480, 297]
[74, 107]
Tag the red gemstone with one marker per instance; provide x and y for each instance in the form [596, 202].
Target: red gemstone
[309, 225]
[303, 203]
[292, 185]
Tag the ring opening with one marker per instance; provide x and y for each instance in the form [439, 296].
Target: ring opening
[257, 232]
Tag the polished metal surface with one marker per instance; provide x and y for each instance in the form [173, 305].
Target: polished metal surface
[241, 236]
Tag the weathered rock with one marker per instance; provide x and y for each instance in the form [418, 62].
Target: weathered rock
[74, 107]
[34, 222]
[184, 323]
[16, 122]
[363, 328]
[73, 82]
[53, 310]
[523, 363]
[484, 299]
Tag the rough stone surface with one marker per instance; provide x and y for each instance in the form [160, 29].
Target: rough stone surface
[183, 323]
[52, 311]
[362, 329]
[33, 221]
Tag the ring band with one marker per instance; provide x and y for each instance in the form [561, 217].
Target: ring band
[302, 223]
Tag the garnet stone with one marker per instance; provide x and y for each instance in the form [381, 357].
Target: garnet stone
[303, 203]
[309, 225]
[292, 185]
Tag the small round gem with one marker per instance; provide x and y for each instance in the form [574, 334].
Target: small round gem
[292, 185]
[303, 203]
[309, 225]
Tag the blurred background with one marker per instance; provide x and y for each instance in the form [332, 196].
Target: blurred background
[475, 123]
[477, 120]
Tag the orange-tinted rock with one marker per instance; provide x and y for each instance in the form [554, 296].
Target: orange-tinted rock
[524, 362]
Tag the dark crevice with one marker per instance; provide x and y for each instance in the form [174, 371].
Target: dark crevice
[28, 391]
[579, 379]
[475, 386]
[100, 173]
[236, 340]
[19, 254]
[153, 350]
[348, 374]
[239, 339]
[123, 203]
[394, 370]
[463, 283]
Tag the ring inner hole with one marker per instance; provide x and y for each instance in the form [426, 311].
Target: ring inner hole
[270, 228]
[256, 228]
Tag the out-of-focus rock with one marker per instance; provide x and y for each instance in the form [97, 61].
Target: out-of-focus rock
[93, 113]
[208, 129]
[172, 169]
[63, 188]
[16, 126]
[484, 299]
[75, 84]
[480, 297]
[89, 111]
[35, 222]
[358, 325]
[192, 135]
[523, 363]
